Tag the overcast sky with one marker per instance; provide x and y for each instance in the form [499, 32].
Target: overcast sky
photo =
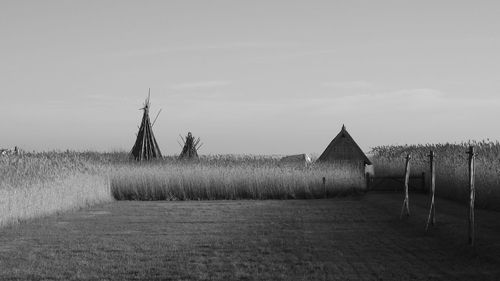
[260, 77]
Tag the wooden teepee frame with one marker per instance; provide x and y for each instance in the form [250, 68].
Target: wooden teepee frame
[190, 147]
[145, 147]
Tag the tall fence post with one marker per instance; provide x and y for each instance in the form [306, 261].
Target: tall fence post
[432, 211]
[406, 203]
[472, 192]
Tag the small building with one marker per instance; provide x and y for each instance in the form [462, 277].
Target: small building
[296, 160]
[343, 149]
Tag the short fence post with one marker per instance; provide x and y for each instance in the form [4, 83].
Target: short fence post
[432, 211]
[423, 182]
[324, 187]
[406, 203]
[472, 192]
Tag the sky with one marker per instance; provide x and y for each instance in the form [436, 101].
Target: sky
[248, 77]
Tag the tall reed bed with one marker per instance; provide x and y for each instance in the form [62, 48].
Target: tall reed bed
[34, 185]
[451, 168]
[227, 178]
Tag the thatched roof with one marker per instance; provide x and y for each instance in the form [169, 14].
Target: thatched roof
[342, 148]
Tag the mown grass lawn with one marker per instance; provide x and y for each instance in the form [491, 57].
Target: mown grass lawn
[349, 238]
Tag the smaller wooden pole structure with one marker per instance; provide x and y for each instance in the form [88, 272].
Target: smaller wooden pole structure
[431, 220]
[472, 192]
[406, 203]
[190, 148]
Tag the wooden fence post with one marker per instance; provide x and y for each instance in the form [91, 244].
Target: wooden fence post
[324, 187]
[406, 203]
[423, 182]
[472, 192]
[432, 211]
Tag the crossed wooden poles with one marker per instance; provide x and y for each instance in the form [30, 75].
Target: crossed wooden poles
[431, 219]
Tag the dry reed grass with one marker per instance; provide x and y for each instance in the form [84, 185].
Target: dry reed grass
[451, 168]
[232, 178]
[35, 185]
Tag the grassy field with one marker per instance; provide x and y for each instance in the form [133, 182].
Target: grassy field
[357, 237]
[350, 238]
[451, 168]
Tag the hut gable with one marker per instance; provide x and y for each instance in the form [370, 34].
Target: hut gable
[343, 148]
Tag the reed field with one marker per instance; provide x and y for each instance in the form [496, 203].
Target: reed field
[35, 185]
[451, 168]
[230, 178]
[38, 184]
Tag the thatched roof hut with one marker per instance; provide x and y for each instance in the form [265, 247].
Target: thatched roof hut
[344, 148]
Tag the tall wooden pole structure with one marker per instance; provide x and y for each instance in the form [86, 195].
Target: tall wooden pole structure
[406, 203]
[431, 220]
[145, 146]
[472, 192]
